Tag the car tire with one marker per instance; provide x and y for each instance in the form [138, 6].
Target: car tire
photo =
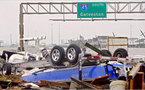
[122, 53]
[72, 53]
[57, 55]
[6, 69]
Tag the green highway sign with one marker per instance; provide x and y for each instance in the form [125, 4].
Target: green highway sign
[91, 10]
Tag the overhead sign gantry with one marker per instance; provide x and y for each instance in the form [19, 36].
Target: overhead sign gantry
[66, 8]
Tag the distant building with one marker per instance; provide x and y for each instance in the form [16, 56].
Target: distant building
[1, 43]
[132, 42]
[141, 43]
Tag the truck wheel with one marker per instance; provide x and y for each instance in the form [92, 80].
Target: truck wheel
[57, 55]
[6, 69]
[107, 52]
[72, 53]
[122, 53]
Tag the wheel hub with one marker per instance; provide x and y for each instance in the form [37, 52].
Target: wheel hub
[55, 55]
[71, 53]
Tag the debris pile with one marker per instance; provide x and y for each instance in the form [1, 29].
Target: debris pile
[80, 70]
[14, 82]
[12, 78]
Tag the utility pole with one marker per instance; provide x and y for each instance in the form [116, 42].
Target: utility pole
[52, 34]
[59, 35]
[131, 42]
[10, 39]
[130, 31]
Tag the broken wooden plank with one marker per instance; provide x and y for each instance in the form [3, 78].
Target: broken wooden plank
[51, 83]
[138, 81]
[134, 71]
[84, 84]
[101, 80]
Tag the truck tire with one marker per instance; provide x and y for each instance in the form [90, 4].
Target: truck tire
[6, 69]
[122, 53]
[72, 53]
[107, 52]
[57, 55]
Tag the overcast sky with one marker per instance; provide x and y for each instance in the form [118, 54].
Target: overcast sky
[40, 25]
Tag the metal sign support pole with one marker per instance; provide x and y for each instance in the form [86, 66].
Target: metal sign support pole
[21, 29]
